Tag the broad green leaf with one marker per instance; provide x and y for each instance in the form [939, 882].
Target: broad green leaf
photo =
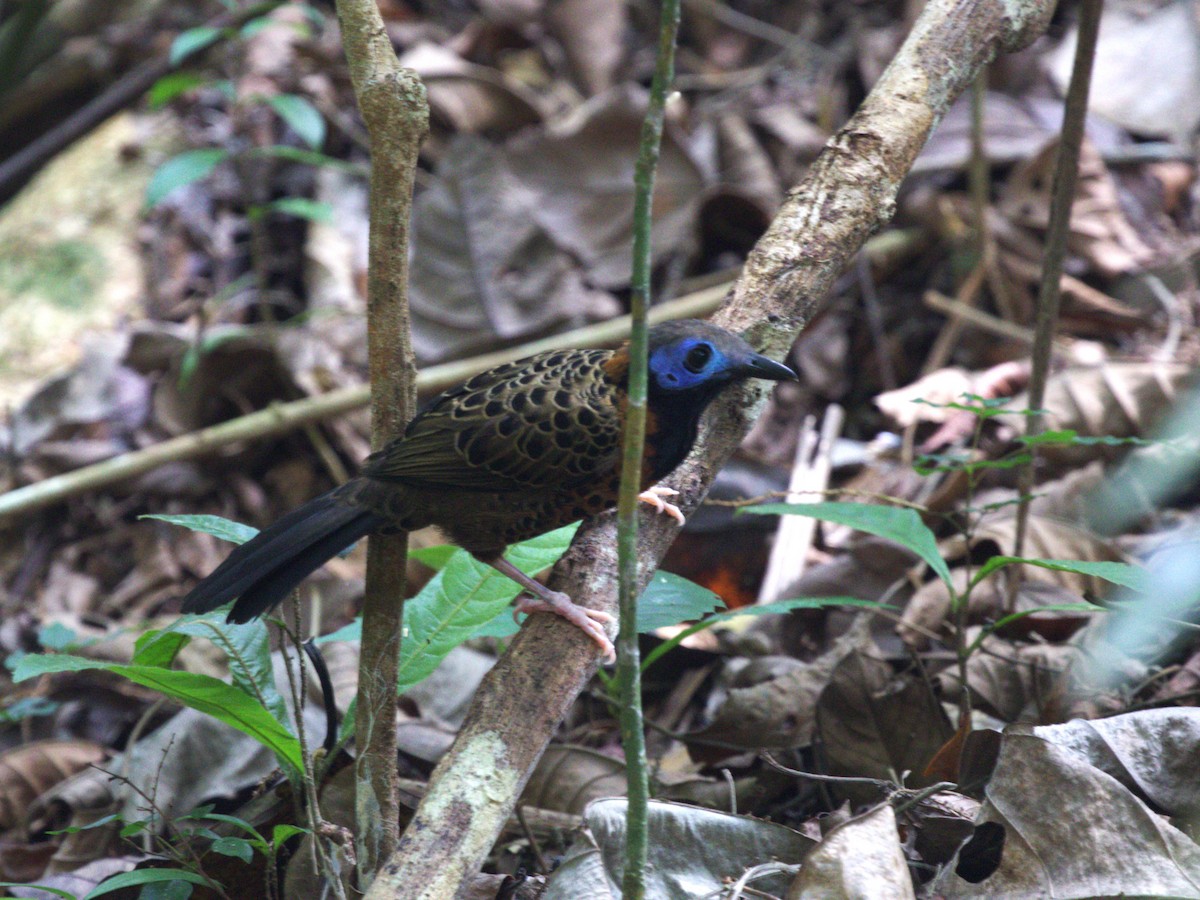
[670, 599]
[765, 609]
[206, 814]
[254, 26]
[303, 118]
[248, 648]
[192, 41]
[234, 846]
[463, 597]
[1133, 577]
[181, 170]
[217, 526]
[303, 208]
[203, 693]
[167, 890]
[434, 557]
[158, 648]
[171, 86]
[903, 526]
[143, 876]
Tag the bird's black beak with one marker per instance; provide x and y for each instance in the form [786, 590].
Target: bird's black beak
[758, 366]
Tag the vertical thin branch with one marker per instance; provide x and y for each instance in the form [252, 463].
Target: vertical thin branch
[629, 663]
[396, 113]
[1066, 173]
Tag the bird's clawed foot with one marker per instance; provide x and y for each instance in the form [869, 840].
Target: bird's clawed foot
[589, 621]
[654, 496]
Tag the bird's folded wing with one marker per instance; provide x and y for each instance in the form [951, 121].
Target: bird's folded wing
[547, 422]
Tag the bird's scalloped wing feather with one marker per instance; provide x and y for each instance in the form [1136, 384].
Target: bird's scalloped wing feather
[552, 420]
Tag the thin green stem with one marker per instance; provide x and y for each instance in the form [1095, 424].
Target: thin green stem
[629, 664]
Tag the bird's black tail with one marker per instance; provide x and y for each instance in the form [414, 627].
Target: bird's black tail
[265, 569]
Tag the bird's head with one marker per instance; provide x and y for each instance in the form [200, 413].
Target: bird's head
[691, 356]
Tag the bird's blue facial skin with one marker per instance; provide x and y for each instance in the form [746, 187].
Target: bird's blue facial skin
[684, 364]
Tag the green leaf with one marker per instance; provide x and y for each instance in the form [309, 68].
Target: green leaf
[171, 86]
[282, 833]
[204, 693]
[167, 890]
[254, 26]
[303, 118]
[434, 557]
[144, 876]
[765, 609]
[217, 526]
[234, 846]
[205, 813]
[158, 648]
[28, 708]
[1133, 577]
[903, 526]
[303, 208]
[463, 597]
[248, 648]
[670, 599]
[192, 41]
[56, 636]
[66, 895]
[181, 170]
[311, 158]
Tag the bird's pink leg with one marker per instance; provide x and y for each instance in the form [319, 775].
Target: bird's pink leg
[590, 621]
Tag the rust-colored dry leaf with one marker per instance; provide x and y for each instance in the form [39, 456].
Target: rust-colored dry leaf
[28, 771]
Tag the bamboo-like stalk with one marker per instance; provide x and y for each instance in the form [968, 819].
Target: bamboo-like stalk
[629, 662]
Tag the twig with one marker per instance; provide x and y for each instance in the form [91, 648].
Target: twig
[1062, 198]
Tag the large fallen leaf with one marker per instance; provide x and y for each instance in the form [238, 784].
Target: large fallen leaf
[877, 725]
[859, 858]
[484, 266]
[693, 853]
[577, 178]
[1071, 829]
[29, 770]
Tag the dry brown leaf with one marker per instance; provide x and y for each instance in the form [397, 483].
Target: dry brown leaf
[1099, 230]
[860, 858]
[568, 778]
[577, 176]
[874, 724]
[471, 99]
[1118, 399]
[28, 771]
[591, 34]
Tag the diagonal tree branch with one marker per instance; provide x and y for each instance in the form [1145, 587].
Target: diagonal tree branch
[849, 193]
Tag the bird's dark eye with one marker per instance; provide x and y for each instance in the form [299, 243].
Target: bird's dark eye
[697, 358]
